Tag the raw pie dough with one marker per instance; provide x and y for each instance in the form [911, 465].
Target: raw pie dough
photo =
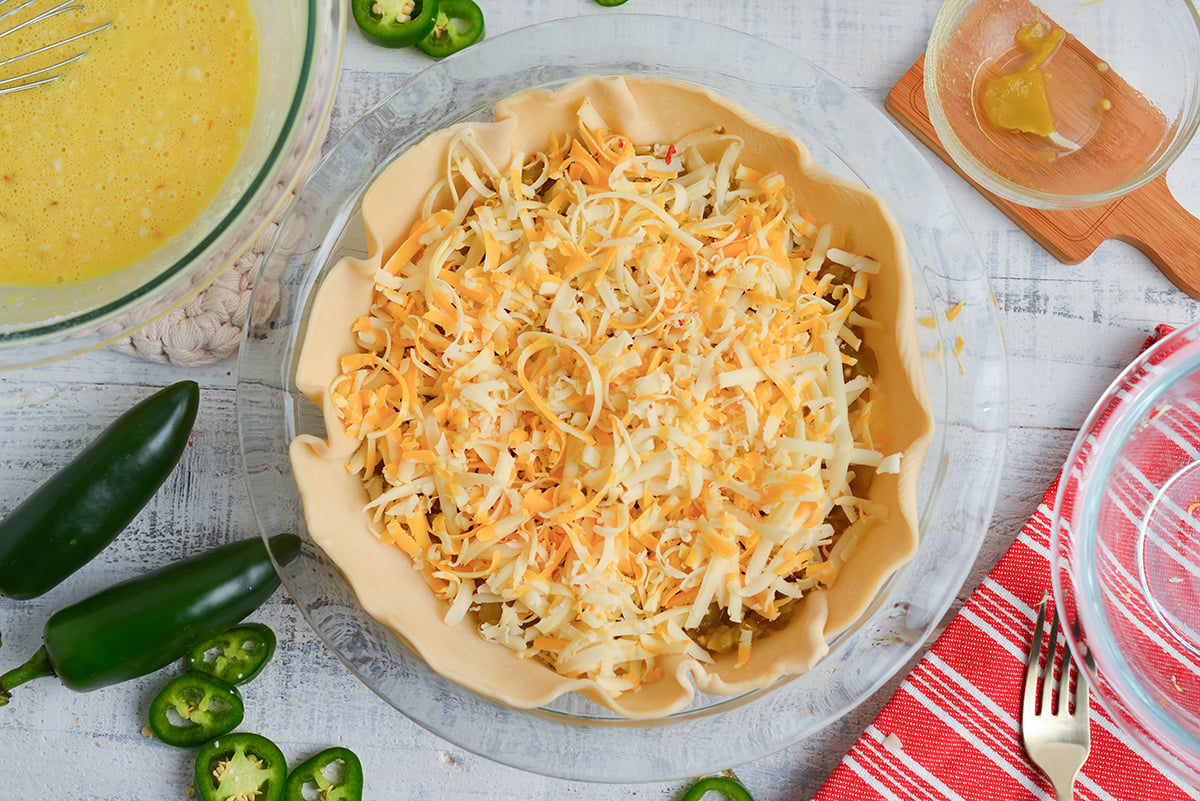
[390, 589]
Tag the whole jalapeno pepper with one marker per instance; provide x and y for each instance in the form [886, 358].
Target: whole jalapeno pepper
[334, 774]
[143, 624]
[235, 655]
[194, 708]
[730, 788]
[239, 766]
[80, 509]
[459, 24]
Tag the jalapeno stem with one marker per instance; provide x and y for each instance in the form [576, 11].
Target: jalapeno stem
[37, 667]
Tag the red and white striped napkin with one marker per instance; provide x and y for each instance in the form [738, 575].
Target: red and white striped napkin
[952, 730]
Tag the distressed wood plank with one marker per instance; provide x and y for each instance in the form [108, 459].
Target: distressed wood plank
[1069, 330]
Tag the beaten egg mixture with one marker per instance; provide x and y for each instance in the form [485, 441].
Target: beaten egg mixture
[101, 167]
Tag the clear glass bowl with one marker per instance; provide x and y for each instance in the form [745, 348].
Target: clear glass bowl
[968, 383]
[1125, 552]
[300, 49]
[1124, 87]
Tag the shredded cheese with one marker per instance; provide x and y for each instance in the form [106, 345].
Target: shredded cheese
[610, 400]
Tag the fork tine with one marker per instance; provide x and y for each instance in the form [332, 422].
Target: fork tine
[1064, 679]
[1048, 676]
[1081, 694]
[1029, 696]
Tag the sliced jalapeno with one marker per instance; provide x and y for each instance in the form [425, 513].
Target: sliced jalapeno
[334, 774]
[194, 708]
[730, 788]
[459, 24]
[394, 23]
[239, 766]
[235, 656]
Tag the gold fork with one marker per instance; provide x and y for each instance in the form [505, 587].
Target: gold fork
[1054, 726]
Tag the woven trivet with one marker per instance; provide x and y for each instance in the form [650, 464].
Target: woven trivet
[207, 328]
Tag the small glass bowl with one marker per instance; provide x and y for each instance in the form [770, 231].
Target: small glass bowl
[1125, 552]
[300, 52]
[1123, 89]
[963, 359]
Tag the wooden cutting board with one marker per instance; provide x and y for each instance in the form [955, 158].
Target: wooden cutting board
[1149, 218]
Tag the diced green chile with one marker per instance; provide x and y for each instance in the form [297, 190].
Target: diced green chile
[235, 655]
[144, 624]
[717, 634]
[730, 788]
[334, 774]
[459, 24]
[194, 708]
[239, 766]
[394, 23]
[80, 509]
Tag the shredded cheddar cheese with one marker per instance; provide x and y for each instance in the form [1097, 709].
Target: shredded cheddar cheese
[612, 398]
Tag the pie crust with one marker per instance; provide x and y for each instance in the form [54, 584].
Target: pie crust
[647, 110]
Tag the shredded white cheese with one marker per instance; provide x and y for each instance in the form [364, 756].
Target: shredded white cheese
[607, 395]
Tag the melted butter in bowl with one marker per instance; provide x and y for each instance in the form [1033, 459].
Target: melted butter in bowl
[1045, 99]
[100, 168]
[1041, 109]
[1059, 104]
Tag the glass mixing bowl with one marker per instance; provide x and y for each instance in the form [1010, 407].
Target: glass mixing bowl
[1122, 88]
[967, 381]
[300, 50]
[1125, 548]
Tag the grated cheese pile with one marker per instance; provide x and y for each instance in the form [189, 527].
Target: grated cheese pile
[609, 399]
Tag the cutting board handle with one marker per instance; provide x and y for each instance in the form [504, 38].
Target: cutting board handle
[1153, 222]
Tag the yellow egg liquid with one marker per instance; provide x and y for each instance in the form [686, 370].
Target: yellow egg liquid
[102, 167]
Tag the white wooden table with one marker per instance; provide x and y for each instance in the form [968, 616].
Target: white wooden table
[1069, 330]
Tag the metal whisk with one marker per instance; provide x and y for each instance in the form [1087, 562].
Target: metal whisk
[46, 73]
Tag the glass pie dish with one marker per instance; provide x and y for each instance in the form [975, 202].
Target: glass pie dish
[963, 360]
[1125, 552]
